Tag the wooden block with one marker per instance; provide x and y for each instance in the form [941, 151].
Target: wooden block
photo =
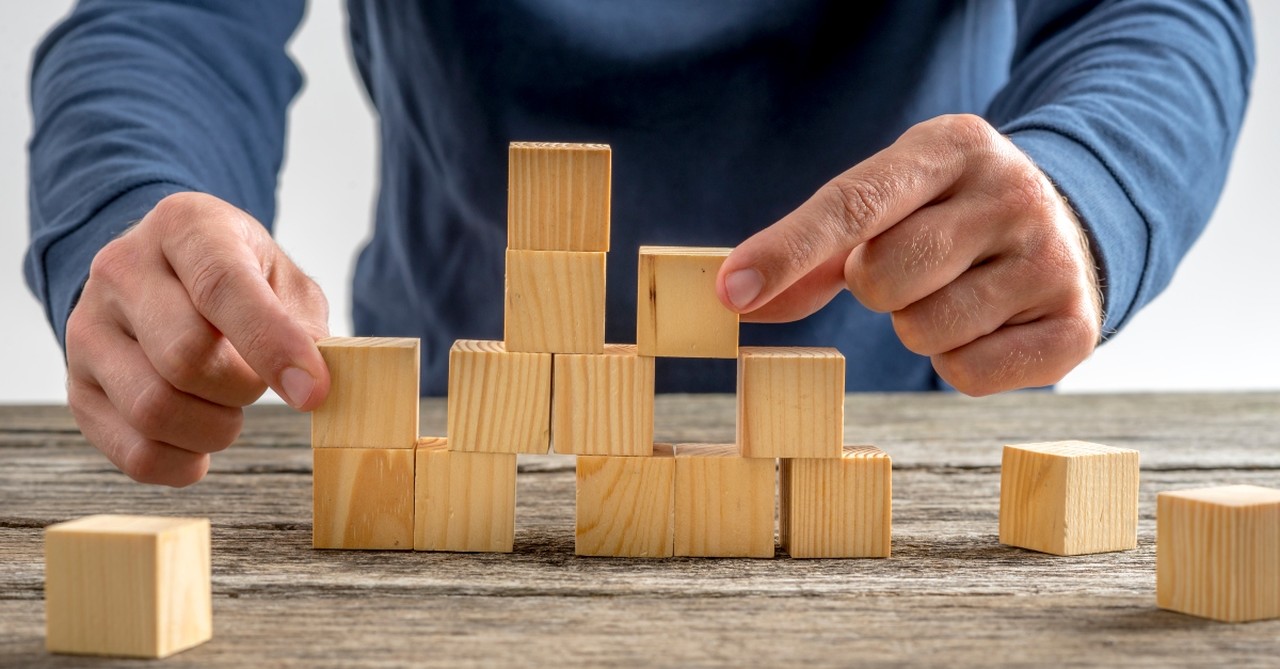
[1218, 552]
[499, 402]
[790, 402]
[1069, 498]
[603, 404]
[724, 502]
[131, 586]
[625, 505]
[837, 508]
[465, 501]
[362, 498]
[678, 313]
[373, 394]
[558, 196]
[555, 302]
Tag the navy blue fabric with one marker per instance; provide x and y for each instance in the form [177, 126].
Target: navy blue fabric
[723, 116]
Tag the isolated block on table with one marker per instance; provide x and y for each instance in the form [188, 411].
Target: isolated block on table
[625, 504]
[499, 401]
[466, 502]
[724, 502]
[558, 196]
[790, 402]
[554, 302]
[131, 586]
[1069, 498]
[837, 508]
[678, 313]
[603, 404]
[362, 498]
[373, 393]
[1218, 552]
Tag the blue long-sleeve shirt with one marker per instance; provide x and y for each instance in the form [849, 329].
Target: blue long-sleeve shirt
[723, 116]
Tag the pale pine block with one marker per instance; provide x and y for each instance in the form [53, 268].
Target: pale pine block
[554, 302]
[678, 313]
[790, 402]
[1218, 552]
[1069, 498]
[558, 196]
[724, 502]
[837, 508]
[499, 401]
[130, 586]
[603, 404]
[373, 394]
[362, 498]
[625, 505]
[466, 502]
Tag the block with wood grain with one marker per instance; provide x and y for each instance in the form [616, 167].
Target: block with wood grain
[555, 301]
[790, 402]
[603, 404]
[625, 505]
[373, 394]
[558, 196]
[678, 313]
[836, 508]
[724, 502]
[362, 498]
[499, 401]
[465, 502]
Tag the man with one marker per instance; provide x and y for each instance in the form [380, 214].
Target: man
[998, 184]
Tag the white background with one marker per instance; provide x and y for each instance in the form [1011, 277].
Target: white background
[1217, 326]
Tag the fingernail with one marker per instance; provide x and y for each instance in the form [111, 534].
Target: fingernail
[743, 286]
[297, 386]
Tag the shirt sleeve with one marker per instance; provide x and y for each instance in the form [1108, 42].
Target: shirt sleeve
[1132, 108]
[133, 100]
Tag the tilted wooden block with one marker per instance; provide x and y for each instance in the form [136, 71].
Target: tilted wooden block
[790, 402]
[362, 498]
[1218, 552]
[625, 504]
[724, 502]
[132, 586]
[1069, 498]
[373, 394]
[465, 502]
[837, 508]
[499, 401]
[678, 313]
[554, 302]
[603, 404]
[558, 196]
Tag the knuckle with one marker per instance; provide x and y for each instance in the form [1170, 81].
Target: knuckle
[115, 261]
[964, 375]
[968, 133]
[187, 361]
[914, 334]
[152, 409]
[856, 204]
[212, 283]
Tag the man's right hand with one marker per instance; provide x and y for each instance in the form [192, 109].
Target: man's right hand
[185, 319]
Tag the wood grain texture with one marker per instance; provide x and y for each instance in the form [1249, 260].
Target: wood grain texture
[1069, 498]
[554, 302]
[373, 394]
[558, 196]
[678, 313]
[603, 404]
[1218, 552]
[132, 586]
[499, 401]
[624, 505]
[724, 502]
[465, 501]
[363, 498]
[837, 508]
[790, 402]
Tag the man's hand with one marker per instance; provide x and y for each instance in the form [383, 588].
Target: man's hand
[955, 233]
[184, 320]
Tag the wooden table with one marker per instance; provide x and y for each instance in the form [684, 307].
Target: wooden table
[950, 595]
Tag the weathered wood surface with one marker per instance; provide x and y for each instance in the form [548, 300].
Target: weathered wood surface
[950, 595]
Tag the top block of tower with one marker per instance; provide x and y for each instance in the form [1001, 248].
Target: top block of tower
[373, 394]
[558, 197]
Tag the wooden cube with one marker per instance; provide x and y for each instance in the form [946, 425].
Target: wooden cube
[362, 498]
[724, 502]
[1069, 498]
[499, 401]
[132, 586]
[790, 402]
[1218, 552]
[554, 302]
[678, 313]
[837, 508]
[603, 404]
[465, 502]
[558, 196]
[373, 394]
[625, 505]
